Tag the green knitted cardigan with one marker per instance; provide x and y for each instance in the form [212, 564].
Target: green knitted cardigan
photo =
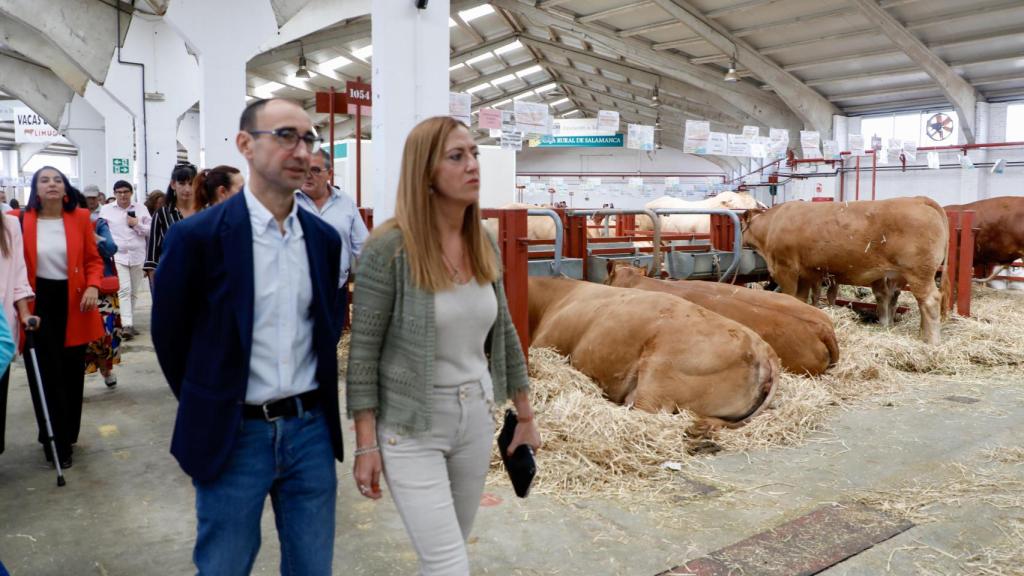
[394, 341]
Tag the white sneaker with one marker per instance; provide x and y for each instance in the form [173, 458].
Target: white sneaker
[110, 380]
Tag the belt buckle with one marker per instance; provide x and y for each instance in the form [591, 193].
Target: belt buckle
[266, 412]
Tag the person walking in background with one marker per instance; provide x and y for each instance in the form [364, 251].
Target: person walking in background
[433, 349]
[65, 270]
[130, 224]
[155, 201]
[7, 346]
[4, 206]
[15, 294]
[215, 185]
[93, 200]
[104, 353]
[244, 328]
[180, 203]
[340, 211]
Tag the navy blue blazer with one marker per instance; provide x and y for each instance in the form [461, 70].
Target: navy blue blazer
[202, 328]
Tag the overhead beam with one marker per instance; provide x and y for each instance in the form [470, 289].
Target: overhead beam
[27, 41]
[39, 88]
[285, 10]
[158, 6]
[769, 109]
[614, 11]
[318, 41]
[461, 86]
[962, 95]
[809, 105]
[692, 93]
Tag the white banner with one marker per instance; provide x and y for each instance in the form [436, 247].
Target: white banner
[640, 137]
[718, 143]
[30, 127]
[695, 140]
[459, 106]
[607, 121]
[532, 118]
[856, 144]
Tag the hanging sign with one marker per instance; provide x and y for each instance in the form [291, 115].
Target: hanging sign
[30, 127]
[459, 106]
[809, 143]
[359, 94]
[532, 118]
[489, 118]
[607, 121]
[640, 137]
[695, 140]
[718, 143]
[856, 144]
[608, 141]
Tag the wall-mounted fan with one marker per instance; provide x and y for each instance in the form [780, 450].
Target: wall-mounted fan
[939, 127]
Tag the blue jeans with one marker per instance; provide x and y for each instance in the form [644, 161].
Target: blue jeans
[291, 459]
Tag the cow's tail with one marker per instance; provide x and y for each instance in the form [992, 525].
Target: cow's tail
[833, 347]
[945, 288]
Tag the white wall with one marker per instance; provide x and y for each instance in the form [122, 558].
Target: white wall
[497, 174]
[548, 167]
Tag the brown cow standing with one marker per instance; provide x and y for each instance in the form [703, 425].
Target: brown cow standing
[884, 244]
[1000, 224]
[655, 351]
[800, 334]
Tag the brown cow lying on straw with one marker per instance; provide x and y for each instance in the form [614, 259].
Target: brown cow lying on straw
[800, 334]
[655, 351]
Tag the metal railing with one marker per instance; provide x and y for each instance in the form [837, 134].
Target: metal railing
[556, 263]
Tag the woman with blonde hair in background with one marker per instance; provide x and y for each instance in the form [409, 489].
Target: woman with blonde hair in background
[433, 349]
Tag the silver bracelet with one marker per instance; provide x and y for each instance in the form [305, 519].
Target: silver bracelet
[367, 450]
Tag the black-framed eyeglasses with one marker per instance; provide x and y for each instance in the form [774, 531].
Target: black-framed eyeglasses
[288, 138]
[316, 170]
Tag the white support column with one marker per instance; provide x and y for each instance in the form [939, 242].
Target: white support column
[85, 128]
[840, 131]
[410, 84]
[171, 80]
[974, 182]
[188, 135]
[118, 136]
[222, 60]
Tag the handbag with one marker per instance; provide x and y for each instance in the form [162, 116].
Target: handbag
[109, 285]
[521, 466]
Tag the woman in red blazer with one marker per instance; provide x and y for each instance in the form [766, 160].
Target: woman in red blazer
[64, 269]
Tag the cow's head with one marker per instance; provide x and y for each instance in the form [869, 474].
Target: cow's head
[750, 237]
[623, 273]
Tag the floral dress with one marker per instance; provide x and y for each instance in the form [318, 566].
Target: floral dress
[104, 353]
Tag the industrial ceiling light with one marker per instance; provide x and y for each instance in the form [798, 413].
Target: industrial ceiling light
[732, 75]
[654, 96]
[302, 72]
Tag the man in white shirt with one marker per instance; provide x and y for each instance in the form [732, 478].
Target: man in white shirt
[129, 225]
[339, 210]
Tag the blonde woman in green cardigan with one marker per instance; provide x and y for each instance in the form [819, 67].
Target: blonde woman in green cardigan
[433, 349]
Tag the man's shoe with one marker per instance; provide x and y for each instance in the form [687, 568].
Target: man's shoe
[126, 333]
[110, 380]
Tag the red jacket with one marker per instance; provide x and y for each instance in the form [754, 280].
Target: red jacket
[85, 269]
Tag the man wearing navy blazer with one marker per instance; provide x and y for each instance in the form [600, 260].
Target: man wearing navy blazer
[245, 329]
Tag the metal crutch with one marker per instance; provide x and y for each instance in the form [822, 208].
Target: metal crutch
[30, 343]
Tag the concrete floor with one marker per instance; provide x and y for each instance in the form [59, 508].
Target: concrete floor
[128, 509]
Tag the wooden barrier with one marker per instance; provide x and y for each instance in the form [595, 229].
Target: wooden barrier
[367, 215]
[960, 259]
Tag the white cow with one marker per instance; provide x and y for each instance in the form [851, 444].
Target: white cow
[694, 223]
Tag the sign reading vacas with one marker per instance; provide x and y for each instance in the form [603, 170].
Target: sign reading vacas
[30, 127]
[606, 141]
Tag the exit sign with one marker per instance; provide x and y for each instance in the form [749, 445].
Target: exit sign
[121, 166]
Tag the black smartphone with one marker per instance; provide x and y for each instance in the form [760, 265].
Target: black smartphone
[131, 213]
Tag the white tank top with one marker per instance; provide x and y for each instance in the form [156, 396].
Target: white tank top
[464, 316]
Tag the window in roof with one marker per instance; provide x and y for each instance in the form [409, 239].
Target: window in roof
[528, 71]
[508, 47]
[363, 53]
[478, 88]
[1015, 123]
[456, 67]
[503, 79]
[476, 12]
[452, 22]
[479, 58]
[561, 101]
[546, 88]
[335, 63]
[502, 103]
[267, 90]
[523, 95]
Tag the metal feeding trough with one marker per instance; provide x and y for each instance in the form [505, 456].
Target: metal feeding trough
[713, 264]
[557, 266]
[597, 266]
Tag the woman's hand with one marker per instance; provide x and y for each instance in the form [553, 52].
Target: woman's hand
[30, 322]
[90, 299]
[526, 433]
[366, 471]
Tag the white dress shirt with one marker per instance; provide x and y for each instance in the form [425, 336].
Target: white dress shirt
[131, 241]
[282, 362]
[341, 212]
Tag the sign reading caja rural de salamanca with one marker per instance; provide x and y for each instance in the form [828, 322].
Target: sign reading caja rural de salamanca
[606, 141]
[30, 127]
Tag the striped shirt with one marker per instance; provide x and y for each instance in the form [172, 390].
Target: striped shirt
[162, 221]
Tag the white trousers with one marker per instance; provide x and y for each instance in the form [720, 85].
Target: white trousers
[436, 479]
[129, 279]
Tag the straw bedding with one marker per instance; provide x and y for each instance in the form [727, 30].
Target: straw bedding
[595, 448]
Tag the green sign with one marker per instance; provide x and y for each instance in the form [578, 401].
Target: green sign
[606, 141]
[121, 166]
